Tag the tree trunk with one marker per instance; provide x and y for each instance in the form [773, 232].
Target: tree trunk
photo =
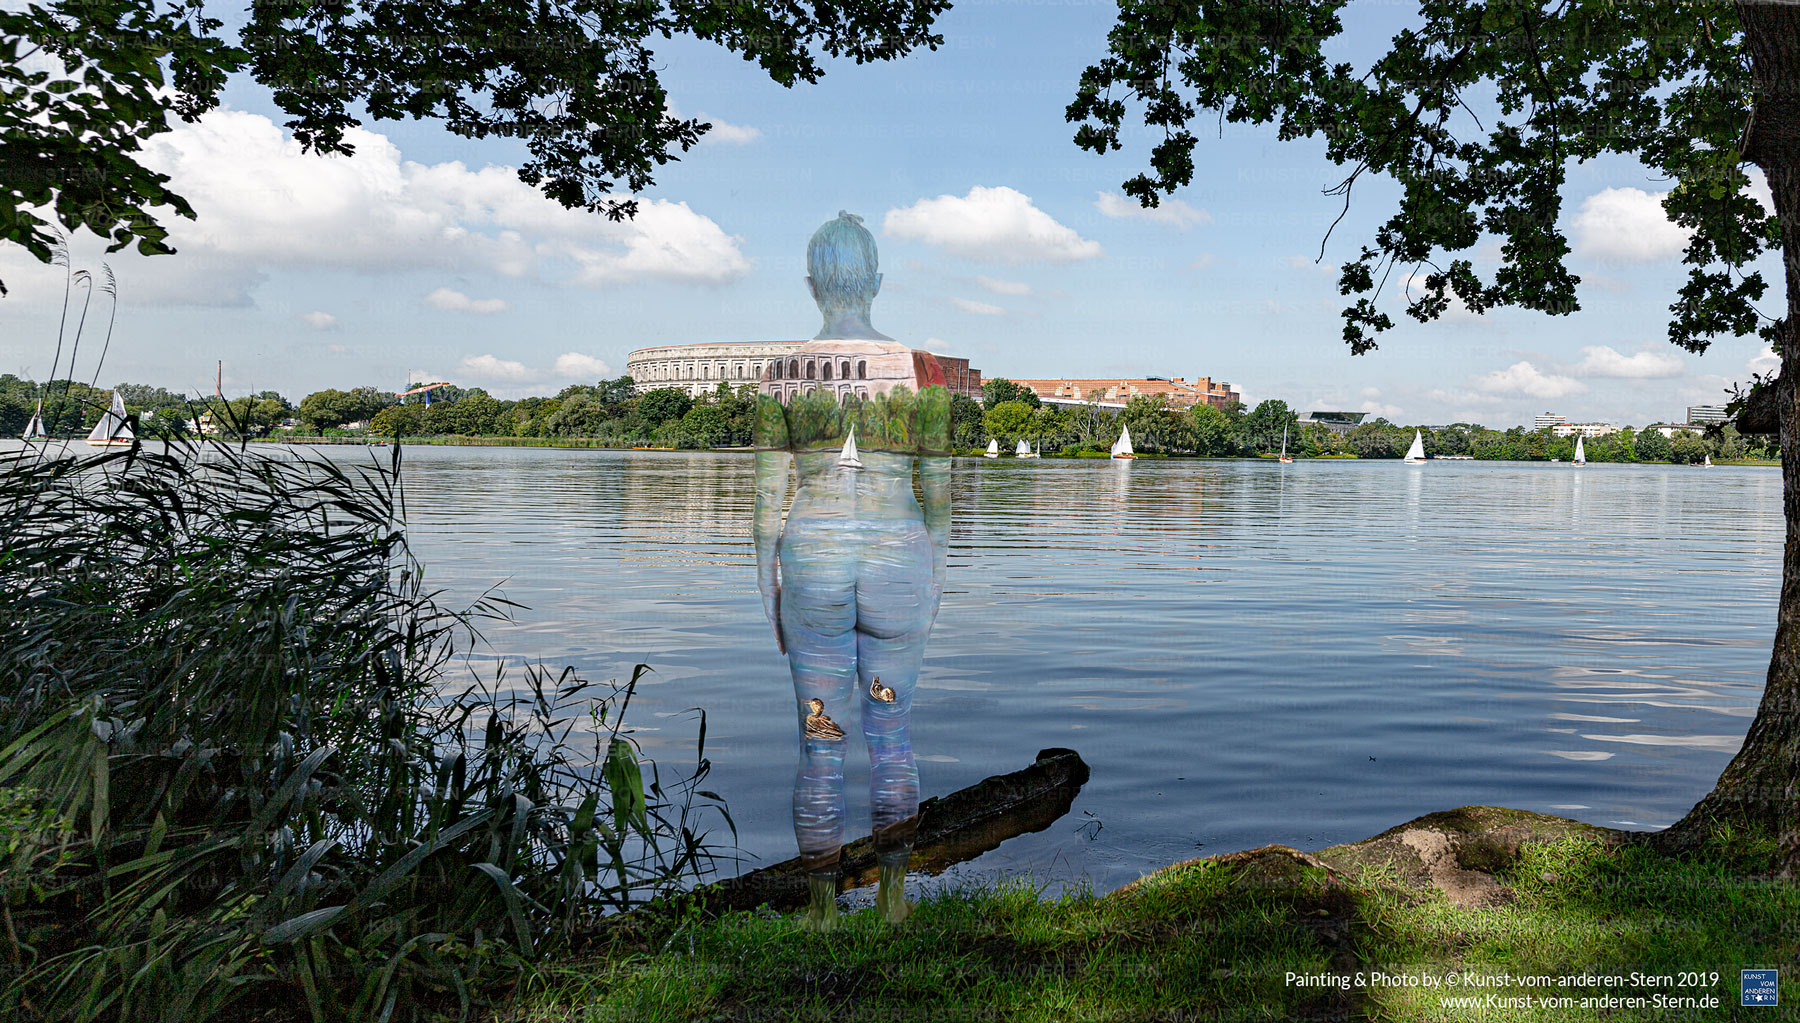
[1760, 788]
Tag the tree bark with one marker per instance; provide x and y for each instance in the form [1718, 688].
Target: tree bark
[1760, 788]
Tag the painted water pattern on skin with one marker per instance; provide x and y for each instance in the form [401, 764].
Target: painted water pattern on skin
[1243, 652]
[851, 578]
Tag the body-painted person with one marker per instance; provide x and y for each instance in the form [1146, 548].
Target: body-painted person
[851, 581]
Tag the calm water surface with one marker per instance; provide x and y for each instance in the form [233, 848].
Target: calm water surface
[1244, 652]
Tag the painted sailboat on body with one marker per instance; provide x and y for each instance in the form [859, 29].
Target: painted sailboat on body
[1415, 455]
[34, 430]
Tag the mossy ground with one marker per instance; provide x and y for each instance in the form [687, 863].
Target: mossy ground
[1218, 940]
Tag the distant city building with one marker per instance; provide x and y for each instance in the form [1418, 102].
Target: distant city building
[1336, 422]
[1119, 390]
[699, 369]
[1584, 429]
[1670, 429]
[1706, 414]
[1547, 419]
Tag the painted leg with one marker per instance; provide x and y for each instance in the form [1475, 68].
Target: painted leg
[895, 608]
[817, 607]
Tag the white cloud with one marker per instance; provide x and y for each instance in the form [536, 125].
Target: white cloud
[1376, 409]
[978, 308]
[729, 134]
[936, 344]
[319, 320]
[1205, 260]
[337, 349]
[457, 302]
[1524, 378]
[576, 366]
[1307, 263]
[1765, 362]
[1001, 287]
[998, 225]
[1626, 225]
[488, 367]
[263, 206]
[1371, 392]
[1606, 361]
[1169, 212]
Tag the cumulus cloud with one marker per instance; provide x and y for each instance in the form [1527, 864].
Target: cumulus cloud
[1001, 287]
[319, 320]
[576, 366]
[1377, 410]
[1765, 362]
[457, 302]
[263, 206]
[978, 308]
[724, 132]
[1168, 212]
[1525, 379]
[488, 367]
[1627, 225]
[999, 225]
[1606, 361]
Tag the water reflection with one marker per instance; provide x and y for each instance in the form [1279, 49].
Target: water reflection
[1238, 643]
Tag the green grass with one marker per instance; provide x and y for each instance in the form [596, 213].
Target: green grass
[1212, 941]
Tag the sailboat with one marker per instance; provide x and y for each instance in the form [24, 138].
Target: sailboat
[1415, 455]
[993, 450]
[1707, 464]
[113, 430]
[1122, 447]
[848, 458]
[1580, 452]
[1284, 455]
[1026, 451]
[34, 430]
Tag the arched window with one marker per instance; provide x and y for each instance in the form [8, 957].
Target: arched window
[844, 369]
[845, 397]
[862, 369]
[863, 392]
[775, 371]
[825, 369]
[690, 371]
[794, 368]
[811, 372]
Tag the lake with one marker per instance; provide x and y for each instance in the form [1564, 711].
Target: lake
[1243, 652]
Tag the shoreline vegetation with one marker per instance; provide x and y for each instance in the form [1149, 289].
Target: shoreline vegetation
[613, 414]
[181, 846]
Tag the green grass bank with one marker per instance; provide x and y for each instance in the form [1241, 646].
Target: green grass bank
[1476, 914]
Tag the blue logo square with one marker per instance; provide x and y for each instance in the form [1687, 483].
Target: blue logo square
[1759, 987]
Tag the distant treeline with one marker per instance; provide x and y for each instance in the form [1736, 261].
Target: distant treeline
[613, 413]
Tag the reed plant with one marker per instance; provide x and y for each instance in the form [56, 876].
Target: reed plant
[239, 780]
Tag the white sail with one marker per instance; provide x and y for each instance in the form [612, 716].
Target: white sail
[1022, 451]
[1708, 461]
[993, 450]
[1580, 452]
[112, 427]
[848, 457]
[34, 430]
[1122, 447]
[1284, 430]
[1416, 453]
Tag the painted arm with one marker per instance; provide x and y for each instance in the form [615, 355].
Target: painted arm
[772, 460]
[934, 477]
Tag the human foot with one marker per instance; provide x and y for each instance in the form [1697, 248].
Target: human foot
[890, 898]
[821, 909]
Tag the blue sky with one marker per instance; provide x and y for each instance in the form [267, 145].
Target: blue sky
[423, 256]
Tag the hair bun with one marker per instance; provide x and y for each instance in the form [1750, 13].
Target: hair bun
[851, 217]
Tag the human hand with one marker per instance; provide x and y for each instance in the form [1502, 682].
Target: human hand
[772, 608]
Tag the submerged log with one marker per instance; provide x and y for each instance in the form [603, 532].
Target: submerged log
[952, 829]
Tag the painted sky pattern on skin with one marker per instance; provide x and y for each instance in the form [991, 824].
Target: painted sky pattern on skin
[423, 257]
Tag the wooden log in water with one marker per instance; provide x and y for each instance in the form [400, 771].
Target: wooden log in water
[952, 829]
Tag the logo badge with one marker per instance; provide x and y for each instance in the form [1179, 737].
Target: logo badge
[1759, 987]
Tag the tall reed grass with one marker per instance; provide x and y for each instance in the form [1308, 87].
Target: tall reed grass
[233, 783]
